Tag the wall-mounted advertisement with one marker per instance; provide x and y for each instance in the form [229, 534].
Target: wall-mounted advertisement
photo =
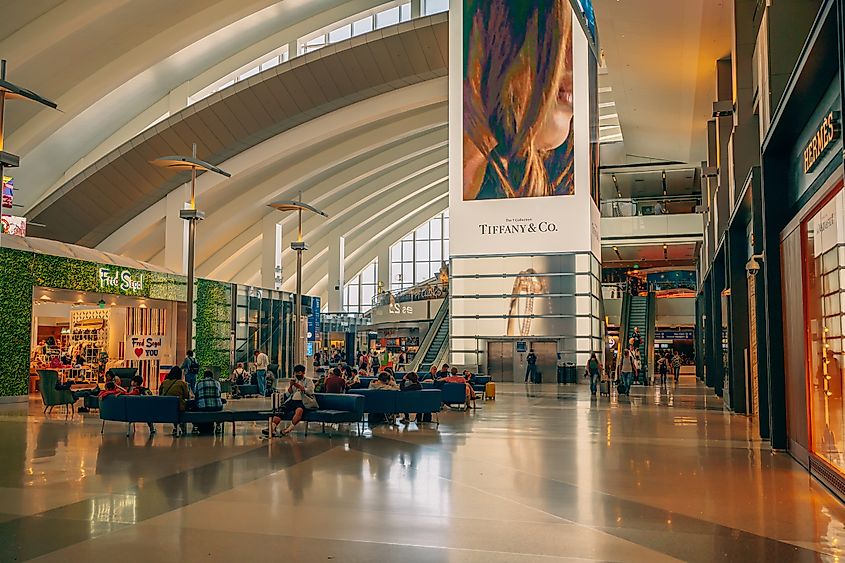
[13, 225]
[520, 129]
[8, 192]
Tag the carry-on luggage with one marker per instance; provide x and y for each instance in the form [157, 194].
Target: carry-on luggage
[490, 391]
[604, 388]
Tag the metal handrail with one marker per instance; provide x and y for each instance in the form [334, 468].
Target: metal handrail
[439, 319]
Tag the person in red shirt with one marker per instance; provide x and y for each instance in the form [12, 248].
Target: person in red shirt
[335, 383]
[138, 388]
[111, 389]
[455, 377]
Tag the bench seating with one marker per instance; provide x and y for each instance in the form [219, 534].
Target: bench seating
[333, 409]
[397, 402]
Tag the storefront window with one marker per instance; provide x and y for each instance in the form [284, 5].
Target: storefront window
[824, 256]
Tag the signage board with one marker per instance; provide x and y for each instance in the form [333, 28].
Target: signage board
[113, 279]
[8, 192]
[314, 320]
[142, 347]
[829, 131]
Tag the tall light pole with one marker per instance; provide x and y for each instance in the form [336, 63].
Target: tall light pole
[9, 91]
[191, 215]
[299, 246]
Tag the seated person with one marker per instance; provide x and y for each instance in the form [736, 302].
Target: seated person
[174, 386]
[320, 386]
[299, 389]
[384, 382]
[334, 383]
[454, 377]
[110, 390]
[444, 372]
[208, 398]
[355, 382]
[239, 375]
[410, 383]
[137, 388]
[269, 383]
[431, 375]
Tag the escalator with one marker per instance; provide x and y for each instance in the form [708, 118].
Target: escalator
[435, 345]
[641, 315]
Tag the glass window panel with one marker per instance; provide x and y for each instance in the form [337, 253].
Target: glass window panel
[250, 72]
[422, 251]
[387, 17]
[395, 275]
[436, 228]
[421, 272]
[270, 64]
[446, 250]
[422, 232]
[436, 250]
[406, 12]
[407, 251]
[340, 34]
[407, 274]
[445, 225]
[352, 298]
[367, 294]
[396, 253]
[435, 6]
[362, 26]
[369, 274]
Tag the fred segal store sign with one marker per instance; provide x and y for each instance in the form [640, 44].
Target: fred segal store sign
[120, 280]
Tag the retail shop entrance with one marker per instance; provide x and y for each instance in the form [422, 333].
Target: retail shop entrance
[81, 335]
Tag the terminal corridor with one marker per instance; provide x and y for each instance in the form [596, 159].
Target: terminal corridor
[544, 473]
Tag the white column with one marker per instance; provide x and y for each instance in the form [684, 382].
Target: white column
[337, 255]
[271, 251]
[416, 8]
[383, 254]
[293, 49]
[176, 232]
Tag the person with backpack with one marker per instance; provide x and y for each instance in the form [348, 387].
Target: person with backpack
[594, 372]
[191, 368]
[663, 369]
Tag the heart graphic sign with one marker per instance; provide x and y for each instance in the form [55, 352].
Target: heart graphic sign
[144, 347]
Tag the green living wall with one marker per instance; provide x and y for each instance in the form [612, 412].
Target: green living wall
[20, 271]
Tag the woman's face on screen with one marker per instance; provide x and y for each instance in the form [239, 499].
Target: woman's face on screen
[555, 126]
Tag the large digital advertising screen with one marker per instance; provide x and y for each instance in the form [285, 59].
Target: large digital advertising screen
[521, 129]
[517, 99]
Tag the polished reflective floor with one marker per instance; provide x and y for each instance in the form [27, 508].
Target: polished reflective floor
[544, 473]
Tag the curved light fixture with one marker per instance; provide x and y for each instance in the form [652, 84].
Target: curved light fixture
[179, 162]
[291, 205]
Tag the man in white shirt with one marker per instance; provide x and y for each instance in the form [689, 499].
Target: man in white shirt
[299, 387]
[261, 364]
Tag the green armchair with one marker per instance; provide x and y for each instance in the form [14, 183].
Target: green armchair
[51, 397]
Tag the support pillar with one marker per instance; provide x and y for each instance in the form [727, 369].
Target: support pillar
[271, 252]
[177, 100]
[383, 279]
[337, 256]
[176, 231]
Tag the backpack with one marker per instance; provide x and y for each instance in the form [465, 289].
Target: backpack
[194, 367]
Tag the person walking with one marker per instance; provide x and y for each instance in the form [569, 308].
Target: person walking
[676, 365]
[531, 370]
[594, 371]
[262, 362]
[627, 373]
[663, 369]
[191, 368]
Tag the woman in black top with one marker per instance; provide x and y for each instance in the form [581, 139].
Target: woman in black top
[411, 382]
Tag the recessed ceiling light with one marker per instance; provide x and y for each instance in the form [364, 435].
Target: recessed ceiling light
[45, 297]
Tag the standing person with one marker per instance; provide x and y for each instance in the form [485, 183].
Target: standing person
[531, 370]
[262, 362]
[300, 390]
[173, 386]
[375, 366]
[594, 371]
[676, 365]
[638, 365]
[637, 339]
[400, 363]
[663, 369]
[190, 367]
[627, 372]
[138, 388]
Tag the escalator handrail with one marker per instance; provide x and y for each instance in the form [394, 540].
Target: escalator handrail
[439, 319]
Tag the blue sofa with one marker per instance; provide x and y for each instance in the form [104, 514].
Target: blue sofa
[333, 409]
[397, 402]
[479, 383]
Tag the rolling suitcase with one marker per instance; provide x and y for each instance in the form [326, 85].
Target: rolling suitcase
[490, 391]
[604, 387]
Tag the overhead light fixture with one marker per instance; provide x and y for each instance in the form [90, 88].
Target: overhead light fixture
[142, 306]
[45, 298]
[725, 108]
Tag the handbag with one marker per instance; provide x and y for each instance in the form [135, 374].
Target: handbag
[309, 401]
